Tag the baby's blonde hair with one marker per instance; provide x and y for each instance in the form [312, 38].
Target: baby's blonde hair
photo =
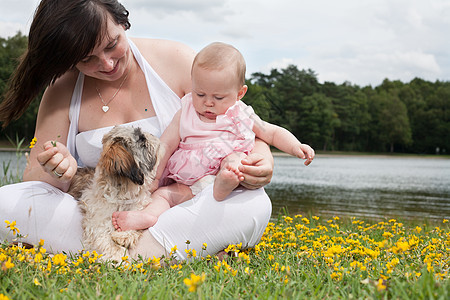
[217, 56]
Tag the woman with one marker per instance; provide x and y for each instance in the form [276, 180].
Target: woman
[97, 78]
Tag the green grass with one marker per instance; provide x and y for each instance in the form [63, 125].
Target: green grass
[297, 258]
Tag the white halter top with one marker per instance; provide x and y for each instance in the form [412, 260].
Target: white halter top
[86, 146]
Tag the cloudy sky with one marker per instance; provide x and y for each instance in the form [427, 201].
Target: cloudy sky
[360, 41]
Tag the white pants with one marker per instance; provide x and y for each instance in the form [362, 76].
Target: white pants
[42, 211]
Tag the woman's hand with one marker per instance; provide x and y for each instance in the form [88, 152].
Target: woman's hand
[257, 170]
[57, 161]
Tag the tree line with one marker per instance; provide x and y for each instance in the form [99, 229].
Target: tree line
[409, 117]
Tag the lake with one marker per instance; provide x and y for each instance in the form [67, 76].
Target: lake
[361, 186]
[369, 186]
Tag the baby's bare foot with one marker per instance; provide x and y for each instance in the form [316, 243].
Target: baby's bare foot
[226, 181]
[132, 220]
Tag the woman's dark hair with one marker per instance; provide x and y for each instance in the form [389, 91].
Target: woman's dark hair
[62, 33]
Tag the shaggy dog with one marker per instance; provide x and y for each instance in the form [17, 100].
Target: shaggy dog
[120, 181]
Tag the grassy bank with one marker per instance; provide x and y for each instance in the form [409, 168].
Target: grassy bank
[298, 257]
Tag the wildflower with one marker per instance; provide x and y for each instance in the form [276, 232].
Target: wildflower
[445, 221]
[190, 252]
[243, 256]
[223, 265]
[288, 219]
[59, 259]
[204, 246]
[336, 276]
[12, 226]
[8, 264]
[173, 250]
[401, 246]
[124, 258]
[381, 285]
[32, 143]
[3, 297]
[387, 235]
[36, 282]
[54, 142]
[155, 262]
[194, 282]
[330, 252]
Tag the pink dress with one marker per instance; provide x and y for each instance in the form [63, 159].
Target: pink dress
[204, 145]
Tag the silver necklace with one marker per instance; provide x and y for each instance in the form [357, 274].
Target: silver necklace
[105, 106]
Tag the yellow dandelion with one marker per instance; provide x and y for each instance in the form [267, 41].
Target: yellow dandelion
[194, 282]
[381, 285]
[387, 234]
[336, 276]
[59, 259]
[3, 297]
[445, 221]
[12, 226]
[36, 282]
[8, 264]
[32, 143]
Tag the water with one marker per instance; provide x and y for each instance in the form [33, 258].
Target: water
[351, 185]
[12, 165]
[362, 186]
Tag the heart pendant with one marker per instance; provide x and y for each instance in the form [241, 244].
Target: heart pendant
[105, 108]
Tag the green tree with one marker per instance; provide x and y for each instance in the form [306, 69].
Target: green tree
[351, 107]
[318, 121]
[11, 50]
[391, 123]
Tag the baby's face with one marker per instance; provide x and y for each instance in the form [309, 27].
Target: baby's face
[214, 91]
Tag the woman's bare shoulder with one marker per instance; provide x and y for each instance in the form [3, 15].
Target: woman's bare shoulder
[58, 95]
[163, 48]
[64, 85]
[170, 59]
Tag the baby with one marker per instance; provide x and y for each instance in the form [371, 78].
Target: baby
[209, 136]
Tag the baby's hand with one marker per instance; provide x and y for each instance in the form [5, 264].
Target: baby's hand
[304, 151]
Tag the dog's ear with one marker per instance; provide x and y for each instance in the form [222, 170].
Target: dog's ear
[117, 161]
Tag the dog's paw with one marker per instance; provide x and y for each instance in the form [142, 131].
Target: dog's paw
[126, 239]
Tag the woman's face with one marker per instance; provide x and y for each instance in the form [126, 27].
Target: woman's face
[109, 60]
